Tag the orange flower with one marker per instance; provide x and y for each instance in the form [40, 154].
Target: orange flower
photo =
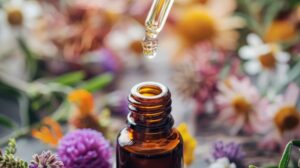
[280, 31]
[83, 99]
[50, 132]
[84, 116]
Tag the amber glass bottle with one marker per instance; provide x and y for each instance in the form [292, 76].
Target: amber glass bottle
[149, 140]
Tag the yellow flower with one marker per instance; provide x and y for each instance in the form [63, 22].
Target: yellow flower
[83, 100]
[50, 132]
[189, 143]
[204, 26]
[211, 21]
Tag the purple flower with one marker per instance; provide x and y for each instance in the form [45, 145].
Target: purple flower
[232, 151]
[101, 60]
[85, 148]
[117, 103]
[46, 159]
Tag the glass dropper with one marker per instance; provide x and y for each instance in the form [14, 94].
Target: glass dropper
[154, 23]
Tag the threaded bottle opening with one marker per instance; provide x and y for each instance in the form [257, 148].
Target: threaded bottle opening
[149, 105]
[150, 90]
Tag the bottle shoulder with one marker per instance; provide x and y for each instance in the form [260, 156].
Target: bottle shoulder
[166, 144]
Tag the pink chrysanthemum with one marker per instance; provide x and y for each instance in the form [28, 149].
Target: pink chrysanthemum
[284, 119]
[197, 77]
[85, 148]
[240, 105]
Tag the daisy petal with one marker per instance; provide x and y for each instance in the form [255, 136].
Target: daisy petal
[32, 10]
[222, 8]
[238, 125]
[254, 40]
[263, 49]
[247, 52]
[281, 71]
[264, 79]
[252, 67]
[292, 94]
[282, 57]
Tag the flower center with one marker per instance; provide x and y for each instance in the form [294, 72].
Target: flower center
[203, 1]
[287, 118]
[197, 25]
[15, 17]
[267, 60]
[241, 105]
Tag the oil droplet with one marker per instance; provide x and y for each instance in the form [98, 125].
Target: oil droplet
[150, 47]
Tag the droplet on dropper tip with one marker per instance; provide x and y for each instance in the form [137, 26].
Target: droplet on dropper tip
[150, 46]
[149, 54]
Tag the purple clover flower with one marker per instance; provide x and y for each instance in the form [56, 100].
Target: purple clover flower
[232, 151]
[85, 148]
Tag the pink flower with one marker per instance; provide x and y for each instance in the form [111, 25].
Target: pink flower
[284, 119]
[240, 105]
[197, 76]
[80, 28]
[209, 63]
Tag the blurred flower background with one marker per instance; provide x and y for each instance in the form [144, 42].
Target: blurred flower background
[233, 67]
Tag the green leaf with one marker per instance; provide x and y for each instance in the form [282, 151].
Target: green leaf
[70, 78]
[252, 166]
[284, 162]
[253, 25]
[23, 102]
[6, 122]
[97, 83]
[292, 75]
[62, 113]
[31, 61]
[271, 12]
[224, 72]
[293, 3]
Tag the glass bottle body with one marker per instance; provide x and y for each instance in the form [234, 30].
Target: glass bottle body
[164, 152]
[149, 141]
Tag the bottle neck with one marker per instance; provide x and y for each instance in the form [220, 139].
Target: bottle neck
[150, 108]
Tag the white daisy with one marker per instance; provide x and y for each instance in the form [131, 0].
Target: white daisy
[262, 56]
[125, 39]
[222, 163]
[17, 17]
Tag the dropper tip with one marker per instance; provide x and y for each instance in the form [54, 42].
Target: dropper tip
[150, 46]
[150, 54]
